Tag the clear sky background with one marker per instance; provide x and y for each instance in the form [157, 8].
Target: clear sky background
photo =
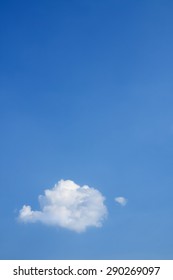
[86, 94]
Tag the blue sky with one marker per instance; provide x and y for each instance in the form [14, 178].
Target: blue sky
[86, 94]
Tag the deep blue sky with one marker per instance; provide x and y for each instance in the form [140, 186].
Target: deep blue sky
[86, 93]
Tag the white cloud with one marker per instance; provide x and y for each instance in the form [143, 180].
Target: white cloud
[121, 200]
[69, 206]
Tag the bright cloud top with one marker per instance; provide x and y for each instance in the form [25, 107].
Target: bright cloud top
[69, 206]
[121, 200]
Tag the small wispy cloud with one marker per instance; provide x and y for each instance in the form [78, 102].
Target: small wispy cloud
[121, 200]
[68, 205]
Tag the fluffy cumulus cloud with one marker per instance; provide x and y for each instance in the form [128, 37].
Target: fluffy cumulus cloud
[68, 205]
[121, 200]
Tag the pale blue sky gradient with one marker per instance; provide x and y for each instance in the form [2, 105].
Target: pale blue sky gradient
[86, 93]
